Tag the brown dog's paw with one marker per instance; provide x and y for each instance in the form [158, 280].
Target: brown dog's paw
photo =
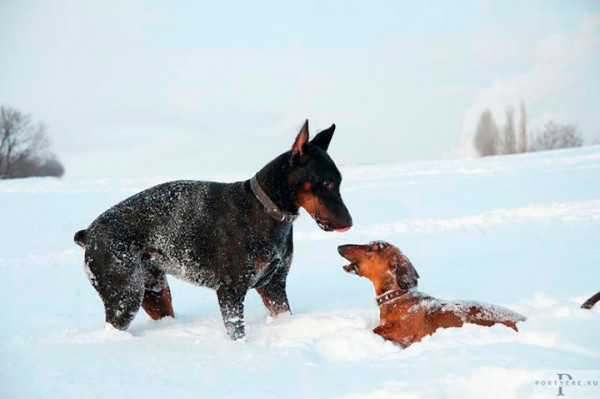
[384, 331]
[512, 325]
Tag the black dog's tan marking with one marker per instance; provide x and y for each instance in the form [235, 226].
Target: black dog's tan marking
[212, 234]
[157, 295]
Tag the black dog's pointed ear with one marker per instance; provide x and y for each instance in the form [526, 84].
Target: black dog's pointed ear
[301, 140]
[322, 139]
[406, 274]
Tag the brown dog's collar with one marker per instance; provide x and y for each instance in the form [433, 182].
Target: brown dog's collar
[389, 296]
[270, 207]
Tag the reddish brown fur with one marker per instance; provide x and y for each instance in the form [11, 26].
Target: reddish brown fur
[404, 326]
[309, 201]
[273, 309]
[402, 320]
[158, 304]
[312, 204]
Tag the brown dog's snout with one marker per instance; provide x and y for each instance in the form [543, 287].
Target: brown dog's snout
[346, 252]
[343, 248]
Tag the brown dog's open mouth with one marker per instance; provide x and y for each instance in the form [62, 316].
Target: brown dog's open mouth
[346, 252]
[351, 268]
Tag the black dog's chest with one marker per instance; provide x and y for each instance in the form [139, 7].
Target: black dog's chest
[266, 264]
[263, 273]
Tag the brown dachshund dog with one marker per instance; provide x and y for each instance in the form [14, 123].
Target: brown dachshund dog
[407, 315]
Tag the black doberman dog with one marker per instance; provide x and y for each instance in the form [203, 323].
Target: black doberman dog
[229, 237]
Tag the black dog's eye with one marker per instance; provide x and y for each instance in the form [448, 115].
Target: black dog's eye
[328, 184]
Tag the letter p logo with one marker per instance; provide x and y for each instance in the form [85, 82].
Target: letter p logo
[560, 378]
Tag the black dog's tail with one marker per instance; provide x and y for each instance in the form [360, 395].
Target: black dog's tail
[80, 238]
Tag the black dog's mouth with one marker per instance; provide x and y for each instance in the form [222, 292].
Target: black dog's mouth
[352, 268]
[324, 225]
[327, 225]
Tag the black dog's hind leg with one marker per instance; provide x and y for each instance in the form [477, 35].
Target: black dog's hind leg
[120, 283]
[273, 293]
[231, 302]
[157, 295]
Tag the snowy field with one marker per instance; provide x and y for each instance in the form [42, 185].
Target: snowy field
[519, 231]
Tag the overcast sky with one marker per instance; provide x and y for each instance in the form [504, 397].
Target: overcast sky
[188, 87]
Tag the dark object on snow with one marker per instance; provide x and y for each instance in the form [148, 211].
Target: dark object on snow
[591, 302]
[80, 238]
[215, 235]
[407, 315]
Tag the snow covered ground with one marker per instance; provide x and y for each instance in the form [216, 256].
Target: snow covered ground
[518, 231]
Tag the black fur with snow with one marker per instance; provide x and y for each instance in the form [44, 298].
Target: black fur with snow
[211, 234]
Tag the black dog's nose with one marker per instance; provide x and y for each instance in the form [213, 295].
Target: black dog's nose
[345, 220]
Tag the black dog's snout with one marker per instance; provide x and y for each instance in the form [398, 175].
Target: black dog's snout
[343, 217]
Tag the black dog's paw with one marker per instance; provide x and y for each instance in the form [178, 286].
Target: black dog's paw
[236, 332]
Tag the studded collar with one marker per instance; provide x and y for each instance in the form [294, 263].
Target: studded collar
[389, 296]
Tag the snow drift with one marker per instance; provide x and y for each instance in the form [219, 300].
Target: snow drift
[521, 231]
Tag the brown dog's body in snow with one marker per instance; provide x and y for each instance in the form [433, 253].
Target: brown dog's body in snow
[407, 315]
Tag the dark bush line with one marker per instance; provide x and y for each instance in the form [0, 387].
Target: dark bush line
[25, 147]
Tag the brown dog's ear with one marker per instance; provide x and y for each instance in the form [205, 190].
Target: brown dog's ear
[406, 274]
[301, 140]
[323, 139]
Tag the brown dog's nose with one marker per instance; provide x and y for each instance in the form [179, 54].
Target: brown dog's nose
[342, 248]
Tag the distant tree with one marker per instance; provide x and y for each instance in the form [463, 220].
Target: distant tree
[47, 167]
[523, 144]
[487, 137]
[24, 147]
[555, 135]
[510, 138]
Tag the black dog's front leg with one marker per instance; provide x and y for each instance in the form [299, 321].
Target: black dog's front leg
[231, 302]
[274, 295]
